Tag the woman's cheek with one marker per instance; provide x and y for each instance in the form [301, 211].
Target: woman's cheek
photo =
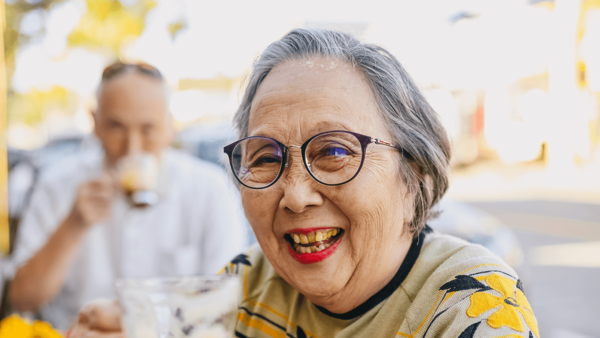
[260, 211]
[254, 214]
[374, 213]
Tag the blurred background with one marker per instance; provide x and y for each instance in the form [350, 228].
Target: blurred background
[517, 83]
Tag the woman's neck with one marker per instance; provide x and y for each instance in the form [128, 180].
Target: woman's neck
[367, 281]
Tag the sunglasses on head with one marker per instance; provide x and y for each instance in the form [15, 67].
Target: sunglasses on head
[120, 68]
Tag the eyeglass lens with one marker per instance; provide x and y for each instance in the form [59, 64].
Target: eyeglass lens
[332, 158]
[256, 162]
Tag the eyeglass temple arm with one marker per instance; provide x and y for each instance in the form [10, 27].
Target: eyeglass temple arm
[388, 144]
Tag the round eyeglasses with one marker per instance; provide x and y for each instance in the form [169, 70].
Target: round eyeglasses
[332, 158]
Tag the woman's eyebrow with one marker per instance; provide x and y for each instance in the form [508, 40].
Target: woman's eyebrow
[252, 153]
[260, 134]
[320, 127]
[329, 126]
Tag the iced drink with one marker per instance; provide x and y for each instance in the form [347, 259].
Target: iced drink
[190, 307]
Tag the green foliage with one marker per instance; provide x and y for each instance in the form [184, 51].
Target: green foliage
[29, 108]
[13, 39]
[108, 24]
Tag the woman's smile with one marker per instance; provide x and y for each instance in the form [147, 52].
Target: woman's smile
[312, 245]
[340, 162]
[325, 224]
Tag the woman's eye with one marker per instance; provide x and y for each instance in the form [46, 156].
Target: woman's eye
[265, 160]
[336, 151]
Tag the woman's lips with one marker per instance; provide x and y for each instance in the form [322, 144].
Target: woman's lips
[306, 231]
[313, 244]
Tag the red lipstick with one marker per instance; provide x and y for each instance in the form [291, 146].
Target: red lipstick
[305, 231]
[309, 258]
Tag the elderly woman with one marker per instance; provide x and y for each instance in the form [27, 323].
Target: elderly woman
[341, 161]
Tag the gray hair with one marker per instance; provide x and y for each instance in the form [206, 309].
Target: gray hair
[411, 121]
[118, 69]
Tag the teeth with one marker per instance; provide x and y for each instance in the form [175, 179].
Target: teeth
[313, 237]
[319, 236]
[311, 249]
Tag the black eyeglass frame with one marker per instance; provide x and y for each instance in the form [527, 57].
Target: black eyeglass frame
[363, 139]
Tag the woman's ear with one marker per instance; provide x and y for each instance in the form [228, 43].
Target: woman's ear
[419, 195]
[425, 182]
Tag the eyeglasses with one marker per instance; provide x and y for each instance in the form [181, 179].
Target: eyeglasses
[331, 158]
[120, 67]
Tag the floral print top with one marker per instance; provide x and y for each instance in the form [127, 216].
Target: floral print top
[446, 287]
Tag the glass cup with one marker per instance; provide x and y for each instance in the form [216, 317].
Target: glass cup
[138, 177]
[190, 307]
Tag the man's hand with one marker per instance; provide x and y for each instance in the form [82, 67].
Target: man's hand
[100, 319]
[41, 278]
[93, 201]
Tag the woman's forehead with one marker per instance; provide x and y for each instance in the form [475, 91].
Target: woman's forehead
[305, 76]
[308, 95]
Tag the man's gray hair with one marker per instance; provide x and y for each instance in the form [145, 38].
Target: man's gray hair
[119, 68]
[412, 122]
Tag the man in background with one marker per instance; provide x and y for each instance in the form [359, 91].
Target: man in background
[81, 232]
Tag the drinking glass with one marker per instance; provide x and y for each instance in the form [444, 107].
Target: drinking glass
[138, 177]
[190, 307]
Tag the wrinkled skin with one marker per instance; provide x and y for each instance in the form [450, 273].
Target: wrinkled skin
[299, 99]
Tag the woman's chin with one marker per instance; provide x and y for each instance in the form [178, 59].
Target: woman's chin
[319, 290]
[321, 279]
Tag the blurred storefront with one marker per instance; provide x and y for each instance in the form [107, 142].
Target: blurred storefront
[525, 83]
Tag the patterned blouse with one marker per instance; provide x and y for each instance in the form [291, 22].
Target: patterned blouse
[445, 287]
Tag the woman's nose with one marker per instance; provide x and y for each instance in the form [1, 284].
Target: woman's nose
[299, 188]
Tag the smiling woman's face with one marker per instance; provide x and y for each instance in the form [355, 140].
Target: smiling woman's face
[297, 100]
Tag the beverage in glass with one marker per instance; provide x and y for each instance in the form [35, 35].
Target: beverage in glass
[138, 177]
[190, 307]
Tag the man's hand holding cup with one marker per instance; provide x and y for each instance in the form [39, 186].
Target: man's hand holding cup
[93, 202]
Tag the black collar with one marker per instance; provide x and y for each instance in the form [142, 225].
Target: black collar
[391, 287]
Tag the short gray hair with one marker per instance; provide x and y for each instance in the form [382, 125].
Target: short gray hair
[411, 121]
[118, 69]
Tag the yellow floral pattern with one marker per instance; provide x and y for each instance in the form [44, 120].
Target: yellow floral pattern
[509, 305]
[16, 327]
